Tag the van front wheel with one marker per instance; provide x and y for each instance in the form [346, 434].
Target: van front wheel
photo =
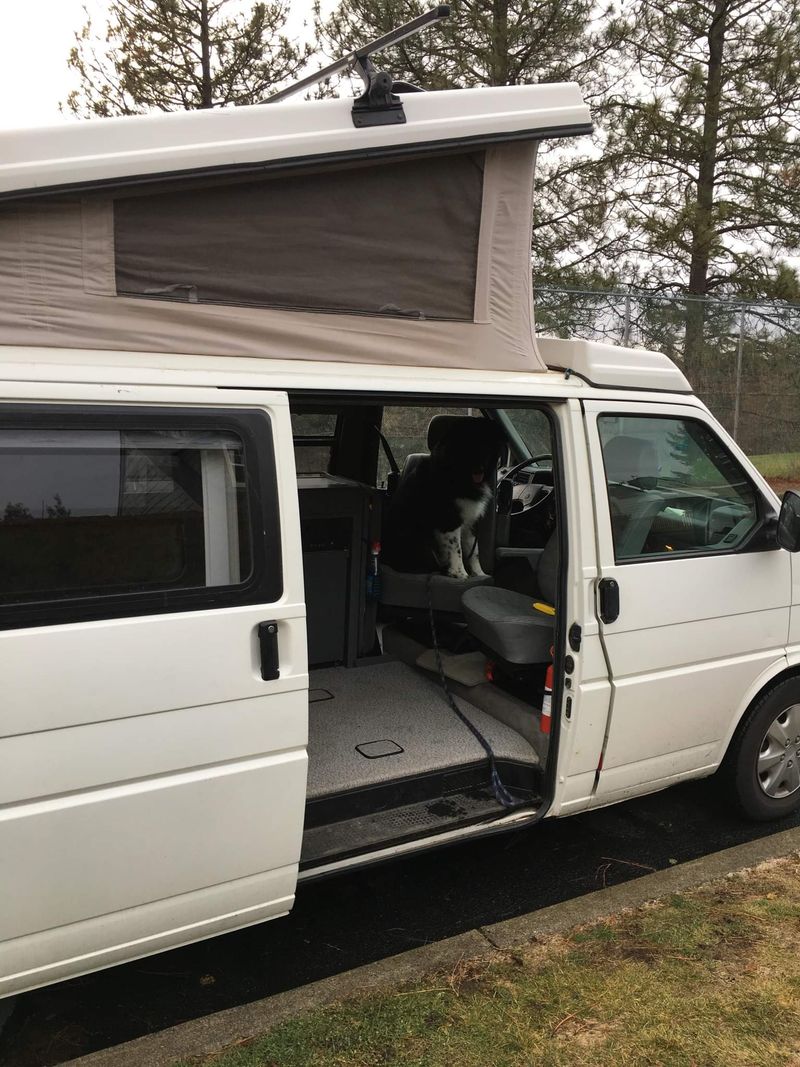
[763, 762]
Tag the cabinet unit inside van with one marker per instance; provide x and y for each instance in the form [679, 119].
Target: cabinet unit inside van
[236, 347]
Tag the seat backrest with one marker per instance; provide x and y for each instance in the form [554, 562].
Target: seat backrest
[440, 425]
[632, 461]
[437, 428]
[411, 463]
[547, 571]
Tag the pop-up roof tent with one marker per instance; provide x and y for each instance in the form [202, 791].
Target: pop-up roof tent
[284, 231]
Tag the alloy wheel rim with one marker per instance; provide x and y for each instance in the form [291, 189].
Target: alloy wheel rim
[778, 764]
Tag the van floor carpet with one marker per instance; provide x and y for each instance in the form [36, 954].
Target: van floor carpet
[370, 725]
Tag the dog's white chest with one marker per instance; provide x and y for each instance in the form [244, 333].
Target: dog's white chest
[471, 510]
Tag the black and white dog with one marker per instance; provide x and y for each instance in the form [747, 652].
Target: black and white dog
[430, 523]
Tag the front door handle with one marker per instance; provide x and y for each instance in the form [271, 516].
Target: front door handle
[268, 644]
[609, 599]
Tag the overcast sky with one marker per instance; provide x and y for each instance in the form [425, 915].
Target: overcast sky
[35, 39]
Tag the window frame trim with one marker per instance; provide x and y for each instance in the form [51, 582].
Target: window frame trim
[762, 511]
[253, 426]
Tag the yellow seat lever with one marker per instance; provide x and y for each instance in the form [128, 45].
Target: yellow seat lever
[546, 609]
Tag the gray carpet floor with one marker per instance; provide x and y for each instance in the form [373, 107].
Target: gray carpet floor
[396, 703]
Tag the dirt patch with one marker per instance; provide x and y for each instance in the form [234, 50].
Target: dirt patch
[780, 485]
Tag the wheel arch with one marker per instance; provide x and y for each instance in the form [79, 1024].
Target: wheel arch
[788, 666]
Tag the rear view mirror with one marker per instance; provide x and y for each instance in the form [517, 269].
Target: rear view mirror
[789, 522]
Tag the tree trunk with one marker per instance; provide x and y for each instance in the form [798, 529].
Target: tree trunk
[703, 224]
[206, 94]
[499, 60]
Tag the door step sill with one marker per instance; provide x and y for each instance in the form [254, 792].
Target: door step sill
[365, 833]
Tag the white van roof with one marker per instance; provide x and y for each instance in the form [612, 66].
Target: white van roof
[580, 369]
[85, 154]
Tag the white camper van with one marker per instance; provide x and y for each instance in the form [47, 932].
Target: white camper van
[226, 338]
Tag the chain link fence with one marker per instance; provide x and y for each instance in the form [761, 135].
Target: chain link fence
[743, 359]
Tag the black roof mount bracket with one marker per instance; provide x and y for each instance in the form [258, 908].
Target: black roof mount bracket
[378, 105]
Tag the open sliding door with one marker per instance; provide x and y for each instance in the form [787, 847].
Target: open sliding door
[153, 726]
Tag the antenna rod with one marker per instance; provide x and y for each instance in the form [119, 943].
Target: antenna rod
[357, 57]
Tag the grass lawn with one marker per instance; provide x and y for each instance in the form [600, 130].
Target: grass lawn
[709, 977]
[779, 465]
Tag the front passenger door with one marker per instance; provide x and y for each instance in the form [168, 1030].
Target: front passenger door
[703, 604]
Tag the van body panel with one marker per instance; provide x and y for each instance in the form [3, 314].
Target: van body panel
[152, 782]
[198, 670]
[694, 633]
[124, 935]
[794, 624]
[674, 699]
[54, 761]
[651, 776]
[122, 846]
[575, 795]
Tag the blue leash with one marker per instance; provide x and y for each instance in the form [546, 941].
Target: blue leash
[501, 794]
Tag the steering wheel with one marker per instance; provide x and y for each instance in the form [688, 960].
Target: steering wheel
[532, 494]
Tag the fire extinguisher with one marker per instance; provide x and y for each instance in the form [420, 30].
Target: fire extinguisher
[547, 699]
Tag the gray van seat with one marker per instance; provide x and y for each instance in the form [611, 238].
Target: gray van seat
[507, 623]
[411, 590]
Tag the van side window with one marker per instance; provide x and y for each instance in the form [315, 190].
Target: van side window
[673, 488]
[314, 434]
[89, 513]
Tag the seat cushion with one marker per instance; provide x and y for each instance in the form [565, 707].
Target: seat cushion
[411, 590]
[506, 623]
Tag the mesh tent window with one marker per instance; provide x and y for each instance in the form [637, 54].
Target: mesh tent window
[396, 238]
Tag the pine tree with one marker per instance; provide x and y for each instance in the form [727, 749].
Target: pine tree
[172, 55]
[704, 143]
[511, 42]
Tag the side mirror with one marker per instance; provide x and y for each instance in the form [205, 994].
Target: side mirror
[789, 522]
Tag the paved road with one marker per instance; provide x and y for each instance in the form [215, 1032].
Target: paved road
[348, 921]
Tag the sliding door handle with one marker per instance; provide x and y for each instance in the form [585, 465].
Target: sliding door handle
[268, 644]
[609, 599]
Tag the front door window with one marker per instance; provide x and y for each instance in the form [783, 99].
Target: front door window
[673, 488]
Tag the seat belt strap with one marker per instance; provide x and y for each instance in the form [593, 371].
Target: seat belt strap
[388, 452]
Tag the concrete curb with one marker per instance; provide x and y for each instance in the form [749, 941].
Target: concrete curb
[213, 1033]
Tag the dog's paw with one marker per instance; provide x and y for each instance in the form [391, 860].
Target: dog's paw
[451, 572]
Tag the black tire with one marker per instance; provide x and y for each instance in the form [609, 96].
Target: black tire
[740, 767]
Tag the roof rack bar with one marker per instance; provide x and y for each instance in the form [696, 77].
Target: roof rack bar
[358, 57]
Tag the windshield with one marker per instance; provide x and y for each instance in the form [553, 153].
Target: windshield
[533, 427]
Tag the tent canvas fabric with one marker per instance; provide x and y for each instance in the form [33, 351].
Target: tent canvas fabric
[418, 261]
